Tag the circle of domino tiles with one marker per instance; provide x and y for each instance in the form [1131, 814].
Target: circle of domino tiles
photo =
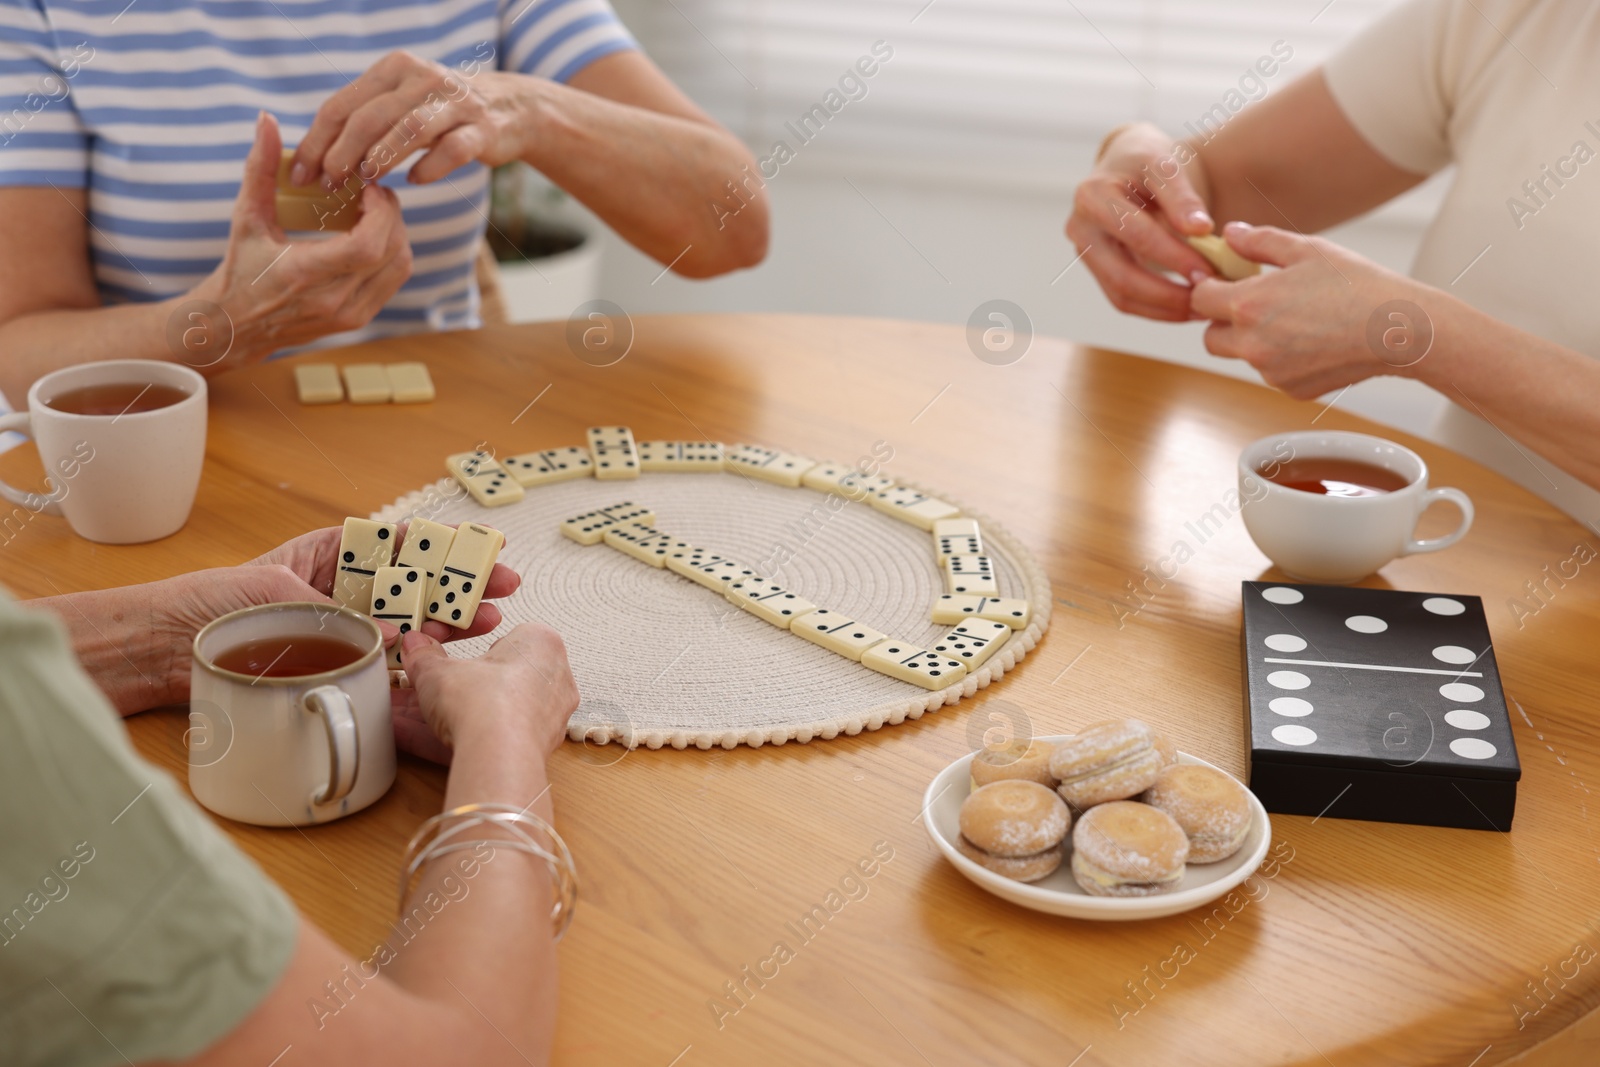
[1469, 747]
[661, 660]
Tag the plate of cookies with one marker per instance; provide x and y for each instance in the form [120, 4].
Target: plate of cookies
[1109, 823]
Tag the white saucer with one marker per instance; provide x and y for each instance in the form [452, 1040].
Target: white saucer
[1059, 894]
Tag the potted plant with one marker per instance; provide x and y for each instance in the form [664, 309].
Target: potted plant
[546, 245]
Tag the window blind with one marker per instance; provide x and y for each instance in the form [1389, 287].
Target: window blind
[1001, 92]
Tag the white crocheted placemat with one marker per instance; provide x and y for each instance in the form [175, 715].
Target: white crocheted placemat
[663, 661]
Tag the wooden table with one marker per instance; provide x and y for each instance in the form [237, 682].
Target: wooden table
[1369, 944]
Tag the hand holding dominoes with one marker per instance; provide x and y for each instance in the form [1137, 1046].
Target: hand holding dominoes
[356, 564]
[276, 301]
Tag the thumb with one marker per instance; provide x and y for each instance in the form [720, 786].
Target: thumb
[422, 657]
[257, 205]
[1267, 244]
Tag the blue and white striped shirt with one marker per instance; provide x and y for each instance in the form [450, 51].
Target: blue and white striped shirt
[150, 106]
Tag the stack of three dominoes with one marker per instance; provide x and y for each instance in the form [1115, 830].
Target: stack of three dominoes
[438, 573]
[630, 528]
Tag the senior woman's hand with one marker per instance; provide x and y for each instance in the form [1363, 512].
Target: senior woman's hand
[277, 292]
[403, 104]
[135, 641]
[1326, 319]
[1130, 215]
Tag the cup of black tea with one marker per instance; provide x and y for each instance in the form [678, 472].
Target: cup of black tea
[289, 721]
[1334, 506]
[122, 443]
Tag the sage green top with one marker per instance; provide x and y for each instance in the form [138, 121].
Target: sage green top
[131, 928]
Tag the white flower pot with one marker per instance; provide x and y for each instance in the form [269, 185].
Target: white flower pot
[538, 290]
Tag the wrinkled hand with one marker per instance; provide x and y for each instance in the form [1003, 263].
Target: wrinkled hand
[523, 683]
[1129, 218]
[1321, 322]
[276, 292]
[402, 104]
[302, 569]
[313, 560]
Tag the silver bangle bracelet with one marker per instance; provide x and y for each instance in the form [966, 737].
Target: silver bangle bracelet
[438, 836]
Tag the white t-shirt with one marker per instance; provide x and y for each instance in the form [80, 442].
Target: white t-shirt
[1508, 91]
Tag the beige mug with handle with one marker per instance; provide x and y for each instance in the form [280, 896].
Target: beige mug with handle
[290, 749]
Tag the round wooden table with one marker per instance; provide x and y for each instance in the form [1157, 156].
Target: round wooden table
[1361, 943]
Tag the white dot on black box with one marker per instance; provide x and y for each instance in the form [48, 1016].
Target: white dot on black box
[1443, 605]
[1293, 707]
[1472, 748]
[1294, 735]
[1461, 692]
[1466, 719]
[1282, 594]
[1285, 643]
[1454, 654]
[1366, 624]
[1288, 680]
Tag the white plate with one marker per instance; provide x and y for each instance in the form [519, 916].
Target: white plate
[1059, 894]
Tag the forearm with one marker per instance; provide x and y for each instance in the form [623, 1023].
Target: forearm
[670, 186]
[1543, 395]
[201, 329]
[492, 946]
[1293, 160]
[38, 342]
[120, 638]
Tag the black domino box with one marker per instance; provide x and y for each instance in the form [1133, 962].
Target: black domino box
[1376, 704]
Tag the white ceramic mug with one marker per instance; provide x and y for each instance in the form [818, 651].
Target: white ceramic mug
[1332, 538]
[118, 479]
[290, 751]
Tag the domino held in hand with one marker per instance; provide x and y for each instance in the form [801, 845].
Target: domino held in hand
[1230, 264]
[426, 545]
[454, 598]
[397, 594]
[364, 546]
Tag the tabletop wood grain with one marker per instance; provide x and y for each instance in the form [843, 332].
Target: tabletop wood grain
[1363, 943]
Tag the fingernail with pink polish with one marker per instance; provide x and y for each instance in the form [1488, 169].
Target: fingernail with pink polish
[297, 174]
[1237, 227]
[1197, 276]
[1201, 217]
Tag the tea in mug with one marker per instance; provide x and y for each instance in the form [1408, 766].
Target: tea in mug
[116, 398]
[289, 656]
[1334, 477]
